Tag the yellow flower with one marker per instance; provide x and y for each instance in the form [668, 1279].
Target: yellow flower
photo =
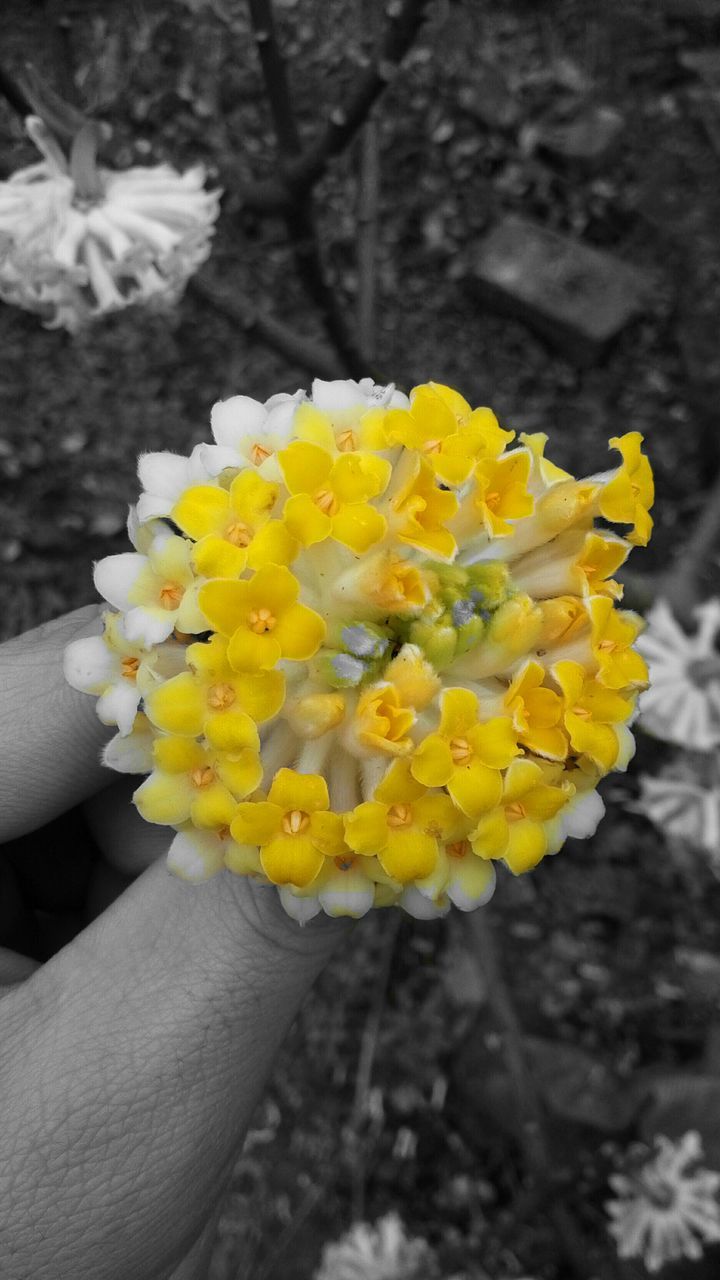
[524, 826]
[562, 621]
[232, 528]
[215, 700]
[414, 677]
[613, 632]
[331, 498]
[262, 619]
[341, 431]
[460, 875]
[594, 718]
[402, 825]
[544, 471]
[381, 722]
[420, 511]
[193, 782]
[629, 495]
[465, 755]
[501, 492]
[443, 427]
[577, 562]
[381, 584]
[536, 713]
[293, 828]
[156, 592]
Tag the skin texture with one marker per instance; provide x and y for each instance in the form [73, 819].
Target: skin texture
[130, 1062]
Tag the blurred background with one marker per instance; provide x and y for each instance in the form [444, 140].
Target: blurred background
[530, 214]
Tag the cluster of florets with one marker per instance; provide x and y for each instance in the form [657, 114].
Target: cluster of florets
[78, 240]
[366, 647]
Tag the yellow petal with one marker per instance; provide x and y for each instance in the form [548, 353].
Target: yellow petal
[527, 844]
[291, 860]
[214, 557]
[409, 854]
[177, 755]
[305, 791]
[358, 527]
[261, 694]
[231, 731]
[178, 706]
[304, 466]
[475, 788]
[495, 742]
[212, 807]
[225, 604]
[273, 544]
[305, 522]
[255, 822]
[250, 652]
[201, 510]
[398, 785]
[366, 829]
[164, 798]
[432, 764]
[299, 632]
[240, 772]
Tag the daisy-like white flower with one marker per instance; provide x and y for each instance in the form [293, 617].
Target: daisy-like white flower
[78, 240]
[668, 1207]
[683, 802]
[398, 656]
[682, 704]
[380, 1252]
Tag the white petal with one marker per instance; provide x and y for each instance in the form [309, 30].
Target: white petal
[234, 419]
[582, 816]
[195, 857]
[301, 909]
[132, 754]
[420, 907]
[465, 901]
[119, 704]
[216, 457]
[351, 902]
[88, 664]
[148, 626]
[336, 395]
[163, 474]
[115, 576]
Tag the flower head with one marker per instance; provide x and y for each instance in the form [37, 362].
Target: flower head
[683, 703]
[78, 240]
[380, 1252]
[363, 652]
[667, 1207]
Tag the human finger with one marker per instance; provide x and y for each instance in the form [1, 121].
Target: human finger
[125, 840]
[51, 737]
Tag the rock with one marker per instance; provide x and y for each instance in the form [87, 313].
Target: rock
[589, 139]
[705, 63]
[694, 12]
[490, 101]
[577, 297]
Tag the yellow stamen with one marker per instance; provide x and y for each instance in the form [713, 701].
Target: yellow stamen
[171, 593]
[399, 815]
[261, 621]
[238, 534]
[258, 454]
[220, 696]
[458, 848]
[460, 750]
[129, 668]
[491, 500]
[582, 712]
[202, 776]
[344, 863]
[514, 812]
[327, 502]
[295, 822]
[432, 446]
[608, 646]
[346, 441]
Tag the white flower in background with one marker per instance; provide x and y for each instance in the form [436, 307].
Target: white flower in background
[682, 704]
[78, 240]
[119, 671]
[669, 1207]
[682, 807]
[382, 1252]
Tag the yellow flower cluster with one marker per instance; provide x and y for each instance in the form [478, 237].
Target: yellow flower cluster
[367, 646]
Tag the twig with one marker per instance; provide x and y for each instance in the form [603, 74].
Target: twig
[14, 95]
[313, 357]
[404, 22]
[532, 1135]
[367, 218]
[275, 76]
[298, 212]
[366, 1060]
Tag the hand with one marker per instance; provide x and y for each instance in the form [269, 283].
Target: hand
[131, 1061]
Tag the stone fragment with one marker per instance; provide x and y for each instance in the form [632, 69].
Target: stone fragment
[577, 297]
[589, 139]
[490, 101]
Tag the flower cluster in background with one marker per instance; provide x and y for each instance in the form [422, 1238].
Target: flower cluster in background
[682, 708]
[78, 240]
[367, 646]
[666, 1207]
